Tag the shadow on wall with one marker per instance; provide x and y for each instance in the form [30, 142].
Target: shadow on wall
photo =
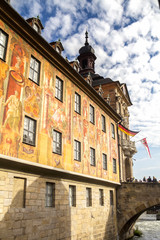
[24, 214]
[111, 225]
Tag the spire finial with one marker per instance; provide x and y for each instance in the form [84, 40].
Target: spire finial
[86, 33]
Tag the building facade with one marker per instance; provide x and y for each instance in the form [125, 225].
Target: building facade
[60, 159]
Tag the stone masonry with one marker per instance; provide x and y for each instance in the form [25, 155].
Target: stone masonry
[133, 200]
[34, 221]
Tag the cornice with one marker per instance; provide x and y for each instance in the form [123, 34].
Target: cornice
[24, 166]
[21, 27]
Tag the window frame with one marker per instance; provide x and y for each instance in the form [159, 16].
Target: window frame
[77, 104]
[103, 123]
[111, 198]
[36, 27]
[113, 130]
[114, 165]
[92, 114]
[24, 191]
[4, 47]
[88, 197]
[104, 159]
[50, 196]
[56, 142]
[59, 89]
[101, 197]
[34, 71]
[72, 196]
[77, 151]
[92, 157]
[26, 141]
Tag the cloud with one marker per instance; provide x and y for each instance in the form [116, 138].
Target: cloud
[29, 8]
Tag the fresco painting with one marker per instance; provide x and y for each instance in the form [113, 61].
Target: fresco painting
[77, 123]
[32, 99]
[3, 74]
[12, 105]
[20, 96]
[48, 91]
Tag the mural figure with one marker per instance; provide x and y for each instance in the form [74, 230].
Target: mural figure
[14, 112]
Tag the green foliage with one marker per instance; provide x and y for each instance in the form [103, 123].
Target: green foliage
[137, 232]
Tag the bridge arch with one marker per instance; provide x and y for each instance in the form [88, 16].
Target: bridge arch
[132, 200]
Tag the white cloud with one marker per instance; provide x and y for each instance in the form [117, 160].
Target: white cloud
[34, 8]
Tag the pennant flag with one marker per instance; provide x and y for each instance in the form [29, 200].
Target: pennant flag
[127, 131]
[145, 144]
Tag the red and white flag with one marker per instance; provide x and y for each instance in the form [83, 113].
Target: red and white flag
[145, 144]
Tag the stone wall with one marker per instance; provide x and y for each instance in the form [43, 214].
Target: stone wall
[133, 200]
[32, 220]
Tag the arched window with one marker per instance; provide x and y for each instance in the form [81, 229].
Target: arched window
[84, 63]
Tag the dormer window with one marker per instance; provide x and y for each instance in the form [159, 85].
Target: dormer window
[58, 50]
[36, 28]
[36, 24]
[75, 68]
[57, 46]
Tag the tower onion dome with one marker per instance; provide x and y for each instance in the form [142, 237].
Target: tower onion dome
[87, 48]
[86, 58]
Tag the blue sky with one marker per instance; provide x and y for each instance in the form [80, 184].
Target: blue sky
[126, 37]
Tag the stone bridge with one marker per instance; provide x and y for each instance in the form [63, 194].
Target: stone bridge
[132, 200]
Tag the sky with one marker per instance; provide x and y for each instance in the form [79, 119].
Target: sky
[125, 35]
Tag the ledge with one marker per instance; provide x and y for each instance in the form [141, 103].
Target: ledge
[16, 164]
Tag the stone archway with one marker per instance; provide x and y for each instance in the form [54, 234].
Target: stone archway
[132, 200]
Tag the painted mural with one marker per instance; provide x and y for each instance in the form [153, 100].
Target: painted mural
[19, 96]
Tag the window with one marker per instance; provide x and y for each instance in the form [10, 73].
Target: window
[58, 49]
[114, 166]
[88, 197]
[72, 196]
[75, 68]
[3, 44]
[34, 73]
[119, 106]
[92, 157]
[50, 194]
[113, 130]
[19, 192]
[111, 198]
[29, 131]
[36, 27]
[84, 63]
[59, 89]
[77, 150]
[77, 106]
[57, 142]
[103, 123]
[104, 157]
[91, 114]
[101, 197]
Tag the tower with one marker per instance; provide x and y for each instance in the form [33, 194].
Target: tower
[86, 58]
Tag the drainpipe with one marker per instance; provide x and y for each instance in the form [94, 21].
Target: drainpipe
[118, 145]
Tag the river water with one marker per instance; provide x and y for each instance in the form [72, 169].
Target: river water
[149, 226]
